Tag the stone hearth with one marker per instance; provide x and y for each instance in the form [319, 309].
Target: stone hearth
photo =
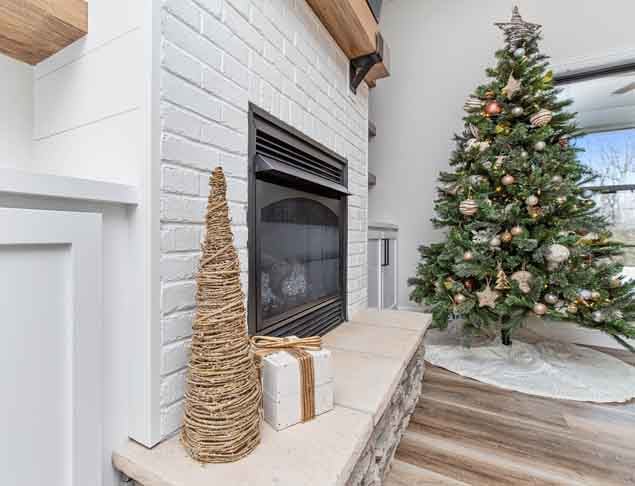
[378, 361]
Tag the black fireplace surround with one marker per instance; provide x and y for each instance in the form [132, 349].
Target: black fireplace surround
[297, 216]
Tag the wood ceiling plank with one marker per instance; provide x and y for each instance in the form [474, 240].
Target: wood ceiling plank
[32, 30]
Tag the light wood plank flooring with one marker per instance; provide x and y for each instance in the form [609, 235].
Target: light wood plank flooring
[467, 433]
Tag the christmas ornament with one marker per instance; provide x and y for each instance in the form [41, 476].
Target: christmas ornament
[500, 160]
[585, 294]
[587, 193]
[563, 142]
[524, 154]
[595, 295]
[597, 316]
[487, 164]
[469, 207]
[572, 308]
[474, 131]
[540, 309]
[506, 237]
[502, 129]
[459, 298]
[541, 118]
[561, 199]
[517, 30]
[495, 242]
[502, 282]
[507, 180]
[557, 179]
[481, 236]
[517, 230]
[534, 211]
[473, 143]
[540, 146]
[520, 52]
[452, 188]
[524, 279]
[532, 200]
[487, 297]
[616, 282]
[492, 108]
[448, 283]
[551, 298]
[618, 314]
[511, 88]
[473, 104]
[517, 111]
[468, 256]
[469, 283]
[557, 254]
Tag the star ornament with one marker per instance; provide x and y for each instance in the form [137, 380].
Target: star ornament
[512, 87]
[517, 29]
[487, 297]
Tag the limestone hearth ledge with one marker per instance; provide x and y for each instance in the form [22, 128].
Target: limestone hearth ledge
[370, 357]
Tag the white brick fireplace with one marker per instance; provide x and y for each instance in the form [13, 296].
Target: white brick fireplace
[215, 58]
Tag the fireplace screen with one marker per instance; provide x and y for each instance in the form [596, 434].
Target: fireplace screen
[299, 249]
[297, 231]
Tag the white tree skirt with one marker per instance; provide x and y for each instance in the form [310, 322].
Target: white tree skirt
[546, 369]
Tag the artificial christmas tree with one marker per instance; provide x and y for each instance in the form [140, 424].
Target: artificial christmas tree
[514, 206]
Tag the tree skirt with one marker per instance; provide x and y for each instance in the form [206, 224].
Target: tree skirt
[547, 369]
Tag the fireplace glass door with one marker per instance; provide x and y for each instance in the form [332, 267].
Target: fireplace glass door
[298, 251]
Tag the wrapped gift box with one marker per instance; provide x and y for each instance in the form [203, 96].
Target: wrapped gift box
[282, 401]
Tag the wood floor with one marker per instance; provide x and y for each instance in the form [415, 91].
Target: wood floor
[467, 433]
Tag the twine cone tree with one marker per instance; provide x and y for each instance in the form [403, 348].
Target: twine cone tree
[222, 417]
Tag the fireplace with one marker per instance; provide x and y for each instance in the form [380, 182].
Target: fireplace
[297, 217]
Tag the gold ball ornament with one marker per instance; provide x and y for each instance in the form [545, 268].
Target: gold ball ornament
[541, 118]
[540, 309]
[459, 298]
[572, 308]
[493, 108]
[517, 111]
[506, 237]
[468, 256]
[595, 295]
[469, 207]
[517, 231]
[507, 180]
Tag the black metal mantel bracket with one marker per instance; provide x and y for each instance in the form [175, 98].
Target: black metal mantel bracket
[360, 66]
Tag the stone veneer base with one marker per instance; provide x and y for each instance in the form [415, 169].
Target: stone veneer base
[379, 366]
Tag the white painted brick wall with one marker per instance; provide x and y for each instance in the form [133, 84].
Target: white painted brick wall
[216, 56]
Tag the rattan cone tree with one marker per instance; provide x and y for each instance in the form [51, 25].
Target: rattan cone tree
[222, 417]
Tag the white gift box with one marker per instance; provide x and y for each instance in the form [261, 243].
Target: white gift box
[282, 402]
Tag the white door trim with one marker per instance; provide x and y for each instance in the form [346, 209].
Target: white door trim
[83, 233]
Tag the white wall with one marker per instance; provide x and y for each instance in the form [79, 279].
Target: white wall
[216, 57]
[16, 112]
[440, 50]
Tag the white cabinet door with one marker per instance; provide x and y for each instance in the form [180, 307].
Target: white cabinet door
[50, 358]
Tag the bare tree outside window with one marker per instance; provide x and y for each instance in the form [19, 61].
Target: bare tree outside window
[611, 155]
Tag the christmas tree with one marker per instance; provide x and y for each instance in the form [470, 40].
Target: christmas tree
[522, 234]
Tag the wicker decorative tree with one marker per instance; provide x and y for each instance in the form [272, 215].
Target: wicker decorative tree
[222, 419]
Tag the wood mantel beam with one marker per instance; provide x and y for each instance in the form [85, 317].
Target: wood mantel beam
[32, 30]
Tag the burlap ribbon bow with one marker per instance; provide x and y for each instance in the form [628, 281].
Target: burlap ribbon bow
[297, 347]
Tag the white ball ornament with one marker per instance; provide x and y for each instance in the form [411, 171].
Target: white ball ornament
[551, 298]
[557, 254]
[585, 294]
[520, 52]
[597, 316]
[587, 193]
[540, 146]
[557, 179]
[532, 200]
[517, 111]
[524, 154]
[508, 180]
